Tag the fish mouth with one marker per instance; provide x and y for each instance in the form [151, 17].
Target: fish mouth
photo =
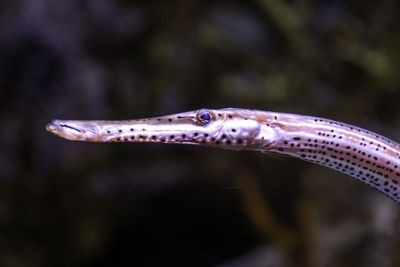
[52, 126]
[72, 130]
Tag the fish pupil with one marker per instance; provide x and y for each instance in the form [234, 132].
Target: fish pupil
[205, 116]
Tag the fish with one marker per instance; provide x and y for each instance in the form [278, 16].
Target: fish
[364, 155]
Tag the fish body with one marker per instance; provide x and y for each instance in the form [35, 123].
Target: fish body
[356, 152]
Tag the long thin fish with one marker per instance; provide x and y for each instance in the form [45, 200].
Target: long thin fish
[364, 155]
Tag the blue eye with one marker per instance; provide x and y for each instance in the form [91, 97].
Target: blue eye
[205, 117]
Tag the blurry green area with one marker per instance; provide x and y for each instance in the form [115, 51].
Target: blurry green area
[77, 204]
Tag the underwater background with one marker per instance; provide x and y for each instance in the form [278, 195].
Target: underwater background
[66, 203]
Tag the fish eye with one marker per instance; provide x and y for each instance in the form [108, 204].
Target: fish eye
[204, 117]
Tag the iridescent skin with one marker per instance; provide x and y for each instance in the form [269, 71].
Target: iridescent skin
[364, 155]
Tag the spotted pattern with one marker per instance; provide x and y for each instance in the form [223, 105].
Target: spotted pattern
[230, 139]
[359, 153]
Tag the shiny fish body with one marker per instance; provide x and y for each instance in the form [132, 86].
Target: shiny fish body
[359, 153]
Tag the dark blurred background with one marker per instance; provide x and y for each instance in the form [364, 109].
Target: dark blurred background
[66, 203]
